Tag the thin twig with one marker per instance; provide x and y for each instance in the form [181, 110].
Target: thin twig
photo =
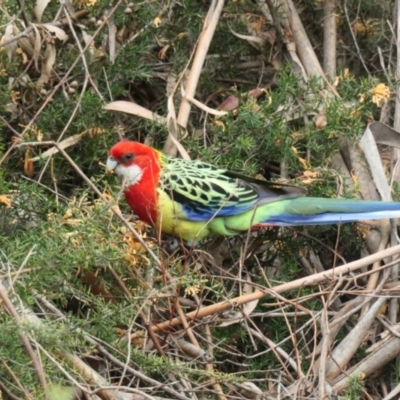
[296, 284]
[24, 339]
[354, 37]
[19, 384]
[203, 45]
[29, 29]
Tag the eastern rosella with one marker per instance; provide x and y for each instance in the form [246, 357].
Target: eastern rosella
[193, 199]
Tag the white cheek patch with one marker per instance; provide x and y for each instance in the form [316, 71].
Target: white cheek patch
[129, 175]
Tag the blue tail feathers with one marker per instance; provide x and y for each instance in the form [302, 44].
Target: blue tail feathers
[318, 211]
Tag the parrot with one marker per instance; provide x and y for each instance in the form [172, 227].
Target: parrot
[191, 199]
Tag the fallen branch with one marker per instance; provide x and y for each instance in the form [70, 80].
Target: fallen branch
[294, 285]
[206, 36]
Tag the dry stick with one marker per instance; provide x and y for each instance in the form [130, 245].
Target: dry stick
[206, 36]
[25, 33]
[25, 341]
[388, 327]
[22, 11]
[185, 324]
[312, 265]
[393, 394]
[324, 345]
[343, 353]
[339, 165]
[5, 122]
[349, 309]
[324, 352]
[333, 300]
[330, 38]
[304, 47]
[373, 279]
[369, 365]
[63, 80]
[309, 63]
[296, 284]
[120, 282]
[151, 333]
[93, 377]
[187, 347]
[209, 366]
[369, 192]
[112, 32]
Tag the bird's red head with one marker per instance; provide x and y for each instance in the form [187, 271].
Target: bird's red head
[132, 160]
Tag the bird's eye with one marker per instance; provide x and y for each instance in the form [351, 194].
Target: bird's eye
[128, 156]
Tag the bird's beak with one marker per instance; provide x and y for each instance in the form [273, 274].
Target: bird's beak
[111, 164]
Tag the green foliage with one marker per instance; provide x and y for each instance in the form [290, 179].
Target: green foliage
[355, 388]
[57, 392]
[396, 372]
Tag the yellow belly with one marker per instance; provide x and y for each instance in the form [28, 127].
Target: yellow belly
[172, 220]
